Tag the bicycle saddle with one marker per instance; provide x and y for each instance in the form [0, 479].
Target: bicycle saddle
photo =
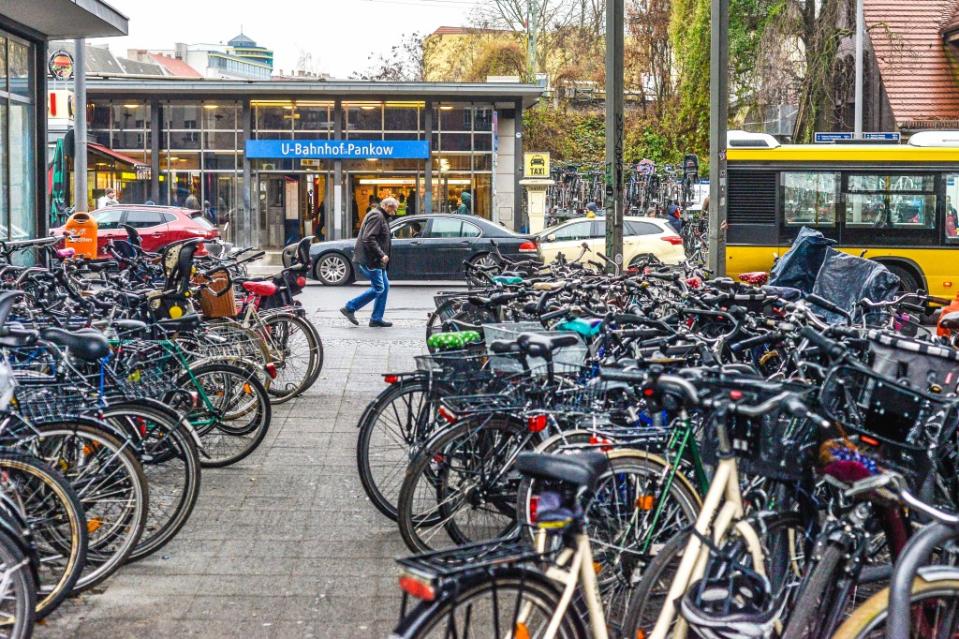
[189, 322]
[581, 469]
[87, 344]
[950, 320]
[544, 345]
[264, 289]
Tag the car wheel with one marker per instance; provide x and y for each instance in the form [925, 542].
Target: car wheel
[909, 282]
[333, 269]
[483, 260]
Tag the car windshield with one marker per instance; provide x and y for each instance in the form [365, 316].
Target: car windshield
[197, 217]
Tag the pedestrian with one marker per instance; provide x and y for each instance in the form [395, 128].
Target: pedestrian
[674, 216]
[594, 209]
[465, 199]
[372, 257]
[192, 202]
[952, 219]
[107, 199]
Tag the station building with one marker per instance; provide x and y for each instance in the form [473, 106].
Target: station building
[275, 160]
[25, 28]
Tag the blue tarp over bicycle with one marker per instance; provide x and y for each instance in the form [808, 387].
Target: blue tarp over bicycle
[813, 267]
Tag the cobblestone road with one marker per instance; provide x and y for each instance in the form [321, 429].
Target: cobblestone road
[284, 543]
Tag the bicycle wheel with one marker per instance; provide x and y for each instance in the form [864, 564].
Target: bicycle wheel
[460, 483]
[58, 528]
[296, 352]
[171, 464]
[934, 611]
[785, 553]
[17, 591]
[817, 591]
[233, 415]
[514, 603]
[626, 527]
[391, 431]
[107, 477]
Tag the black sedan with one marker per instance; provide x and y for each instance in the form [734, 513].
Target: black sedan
[430, 247]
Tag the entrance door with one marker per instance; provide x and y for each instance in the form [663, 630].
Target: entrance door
[272, 210]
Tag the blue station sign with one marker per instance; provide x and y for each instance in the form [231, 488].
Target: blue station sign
[338, 149]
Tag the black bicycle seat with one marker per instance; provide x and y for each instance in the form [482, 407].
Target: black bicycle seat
[581, 469]
[87, 344]
[189, 322]
[543, 345]
[950, 320]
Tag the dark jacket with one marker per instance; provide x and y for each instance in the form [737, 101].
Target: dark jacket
[374, 239]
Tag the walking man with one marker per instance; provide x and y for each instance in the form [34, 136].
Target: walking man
[372, 257]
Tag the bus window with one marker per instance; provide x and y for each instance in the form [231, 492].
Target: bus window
[952, 201]
[809, 198]
[891, 201]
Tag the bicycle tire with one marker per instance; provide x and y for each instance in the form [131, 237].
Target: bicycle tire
[868, 619]
[168, 455]
[425, 620]
[643, 612]
[433, 465]
[52, 592]
[21, 583]
[209, 420]
[109, 544]
[411, 395]
[277, 340]
[815, 591]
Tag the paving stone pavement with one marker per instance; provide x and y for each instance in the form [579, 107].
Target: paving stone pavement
[284, 543]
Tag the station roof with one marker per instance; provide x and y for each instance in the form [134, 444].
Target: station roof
[66, 18]
[497, 92]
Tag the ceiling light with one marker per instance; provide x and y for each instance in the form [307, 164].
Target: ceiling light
[211, 106]
[132, 106]
[446, 107]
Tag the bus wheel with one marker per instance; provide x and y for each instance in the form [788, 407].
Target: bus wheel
[910, 283]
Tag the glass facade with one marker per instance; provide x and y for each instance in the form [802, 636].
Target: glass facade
[17, 138]
[201, 144]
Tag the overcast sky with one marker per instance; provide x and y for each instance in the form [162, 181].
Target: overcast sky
[340, 34]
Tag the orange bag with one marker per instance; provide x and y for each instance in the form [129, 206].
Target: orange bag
[83, 228]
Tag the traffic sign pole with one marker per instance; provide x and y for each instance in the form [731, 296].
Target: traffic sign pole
[718, 120]
[614, 130]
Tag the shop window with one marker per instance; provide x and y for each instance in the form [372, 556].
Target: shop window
[455, 141]
[219, 161]
[482, 162]
[401, 118]
[446, 163]
[21, 185]
[273, 118]
[182, 116]
[129, 140]
[810, 198]
[98, 117]
[482, 142]
[219, 116]
[220, 140]
[891, 201]
[18, 68]
[455, 118]
[130, 115]
[483, 119]
[365, 116]
[183, 140]
[313, 118]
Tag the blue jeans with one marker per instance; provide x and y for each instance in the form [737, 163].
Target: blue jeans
[378, 290]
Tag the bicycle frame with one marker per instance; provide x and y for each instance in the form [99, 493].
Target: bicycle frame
[722, 510]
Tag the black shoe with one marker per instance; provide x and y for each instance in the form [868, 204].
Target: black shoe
[348, 314]
[380, 324]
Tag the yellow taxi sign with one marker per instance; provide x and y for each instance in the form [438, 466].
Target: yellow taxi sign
[537, 165]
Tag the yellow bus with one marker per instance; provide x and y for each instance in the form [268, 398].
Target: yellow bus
[895, 202]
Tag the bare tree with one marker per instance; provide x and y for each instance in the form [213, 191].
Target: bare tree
[404, 62]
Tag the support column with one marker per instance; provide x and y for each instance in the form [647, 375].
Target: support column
[338, 221]
[718, 120]
[155, 150]
[520, 218]
[80, 126]
[244, 226]
[614, 130]
[428, 169]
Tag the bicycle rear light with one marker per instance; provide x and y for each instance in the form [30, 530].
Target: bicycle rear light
[271, 370]
[417, 587]
[536, 423]
[447, 414]
[391, 379]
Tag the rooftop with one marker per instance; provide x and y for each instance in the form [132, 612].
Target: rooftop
[916, 66]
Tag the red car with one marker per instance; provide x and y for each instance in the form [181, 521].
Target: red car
[157, 225]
